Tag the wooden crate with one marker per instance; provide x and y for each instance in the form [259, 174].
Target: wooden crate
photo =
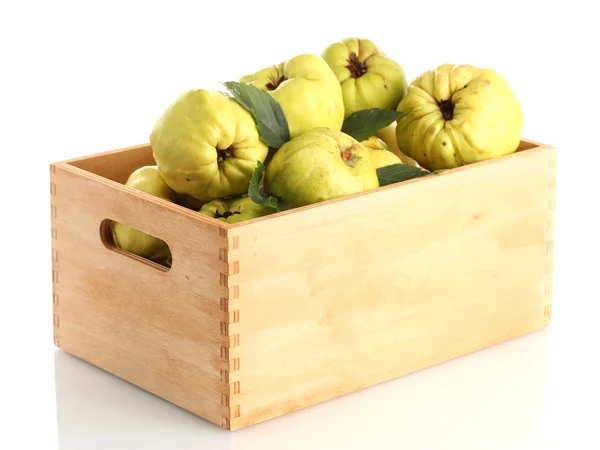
[258, 319]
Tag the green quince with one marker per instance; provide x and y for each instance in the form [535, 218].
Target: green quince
[458, 114]
[307, 91]
[380, 153]
[319, 165]
[206, 145]
[388, 135]
[149, 180]
[368, 77]
[235, 210]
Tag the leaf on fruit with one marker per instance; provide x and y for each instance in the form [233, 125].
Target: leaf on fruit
[258, 197]
[399, 172]
[361, 125]
[270, 119]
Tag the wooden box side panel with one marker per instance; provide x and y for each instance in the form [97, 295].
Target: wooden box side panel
[161, 330]
[116, 165]
[346, 295]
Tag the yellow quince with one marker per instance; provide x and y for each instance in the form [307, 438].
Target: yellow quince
[457, 115]
[307, 91]
[149, 180]
[368, 77]
[206, 145]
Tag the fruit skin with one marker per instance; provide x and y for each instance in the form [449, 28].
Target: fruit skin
[457, 115]
[320, 165]
[369, 78]
[149, 180]
[307, 91]
[388, 135]
[235, 210]
[206, 145]
[381, 156]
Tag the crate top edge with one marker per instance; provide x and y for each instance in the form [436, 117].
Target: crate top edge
[534, 147]
[538, 147]
[172, 207]
[70, 161]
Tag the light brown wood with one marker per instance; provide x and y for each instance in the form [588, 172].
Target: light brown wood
[262, 318]
[116, 165]
[364, 289]
[160, 330]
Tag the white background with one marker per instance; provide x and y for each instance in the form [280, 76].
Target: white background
[83, 77]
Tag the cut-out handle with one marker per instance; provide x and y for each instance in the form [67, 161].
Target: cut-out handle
[136, 244]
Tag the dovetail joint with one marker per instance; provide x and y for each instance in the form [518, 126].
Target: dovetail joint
[223, 254]
[223, 279]
[230, 317]
[234, 316]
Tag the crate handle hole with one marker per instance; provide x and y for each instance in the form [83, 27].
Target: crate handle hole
[136, 244]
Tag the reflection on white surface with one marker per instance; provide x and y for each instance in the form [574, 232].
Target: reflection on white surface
[492, 399]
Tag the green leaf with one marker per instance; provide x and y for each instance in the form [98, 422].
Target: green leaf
[258, 197]
[361, 125]
[399, 172]
[270, 119]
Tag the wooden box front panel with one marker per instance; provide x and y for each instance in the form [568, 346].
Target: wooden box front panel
[161, 330]
[344, 295]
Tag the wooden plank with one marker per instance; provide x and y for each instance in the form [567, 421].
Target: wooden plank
[336, 297]
[116, 165]
[160, 330]
[526, 146]
[261, 318]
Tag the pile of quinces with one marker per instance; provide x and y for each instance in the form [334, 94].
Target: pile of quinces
[314, 128]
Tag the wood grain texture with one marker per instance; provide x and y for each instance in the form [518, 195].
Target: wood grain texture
[116, 165]
[261, 318]
[343, 295]
[229, 330]
[157, 329]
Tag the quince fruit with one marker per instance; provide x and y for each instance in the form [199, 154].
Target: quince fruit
[319, 165]
[381, 155]
[307, 91]
[235, 210]
[149, 180]
[369, 78]
[388, 135]
[457, 115]
[206, 145]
